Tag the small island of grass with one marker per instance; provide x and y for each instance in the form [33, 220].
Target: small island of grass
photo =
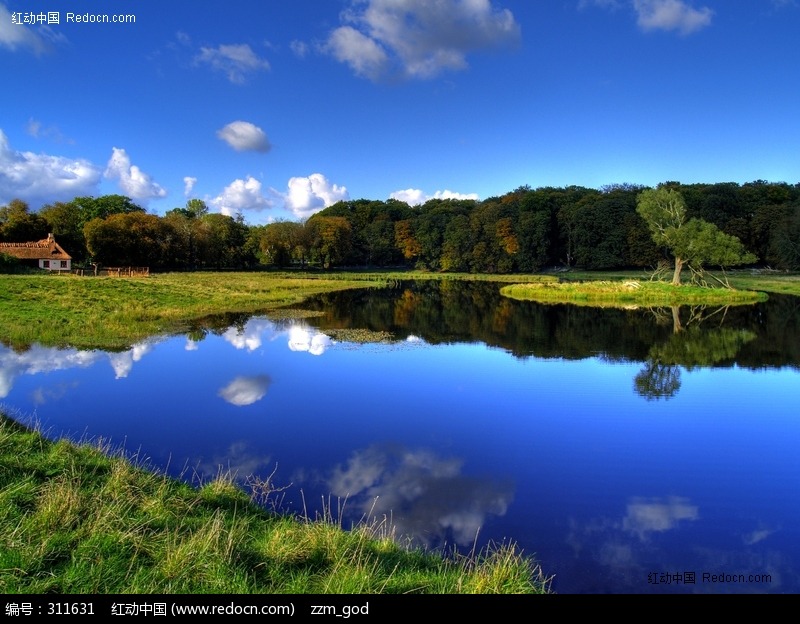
[628, 293]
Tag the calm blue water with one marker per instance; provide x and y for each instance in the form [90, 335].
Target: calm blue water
[463, 442]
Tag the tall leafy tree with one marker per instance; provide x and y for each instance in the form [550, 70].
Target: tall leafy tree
[105, 206]
[130, 239]
[66, 223]
[279, 242]
[331, 239]
[19, 224]
[664, 211]
[694, 241]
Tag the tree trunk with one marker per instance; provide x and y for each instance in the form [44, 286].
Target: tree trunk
[676, 276]
[676, 320]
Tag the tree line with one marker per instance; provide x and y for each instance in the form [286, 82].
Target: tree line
[523, 231]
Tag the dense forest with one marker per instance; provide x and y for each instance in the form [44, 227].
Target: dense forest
[523, 231]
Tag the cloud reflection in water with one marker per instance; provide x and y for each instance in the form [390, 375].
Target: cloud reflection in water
[246, 390]
[426, 497]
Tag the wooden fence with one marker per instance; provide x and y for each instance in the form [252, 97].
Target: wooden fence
[112, 271]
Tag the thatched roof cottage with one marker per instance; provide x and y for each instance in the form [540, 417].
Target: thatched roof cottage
[46, 254]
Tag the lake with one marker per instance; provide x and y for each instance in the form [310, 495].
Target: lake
[628, 451]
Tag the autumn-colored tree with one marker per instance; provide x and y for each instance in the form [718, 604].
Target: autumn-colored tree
[405, 239]
[331, 239]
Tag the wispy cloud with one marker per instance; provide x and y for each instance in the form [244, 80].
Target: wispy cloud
[671, 15]
[666, 15]
[38, 130]
[188, 185]
[236, 61]
[37, 39]
[421, 39]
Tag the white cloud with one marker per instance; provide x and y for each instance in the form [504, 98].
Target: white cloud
[134, 182]
[416, 197]
[244, 137]
[299, 48]
[246, 390]
[42, 178]
[423, 38]
[188, 185]
[365, 56]
[236, 61]
[309, 195]
[671, 15]
[241, 195]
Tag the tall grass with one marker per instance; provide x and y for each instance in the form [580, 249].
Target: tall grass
[83, 519]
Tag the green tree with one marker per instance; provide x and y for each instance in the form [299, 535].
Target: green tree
[130, 239]
[786, 241]
[664, 211]
[18, 224]
[65, 222]
[105, 206]
[222, 241]
[279, 242]
[695, 241]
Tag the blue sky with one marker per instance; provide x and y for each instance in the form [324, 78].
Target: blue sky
[276, 109]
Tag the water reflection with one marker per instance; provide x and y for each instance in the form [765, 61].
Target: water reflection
[447, 312]
[246, 390]
[687, 348]
[479, 419]
[646, 516]
[36, 360]
[426, 495]
[301, 338]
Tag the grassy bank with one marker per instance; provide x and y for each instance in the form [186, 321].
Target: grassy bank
[627, 293]
[79, 519]
[115, 313]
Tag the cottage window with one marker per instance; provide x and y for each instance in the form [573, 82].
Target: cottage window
[45, 264]
[63, 264]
